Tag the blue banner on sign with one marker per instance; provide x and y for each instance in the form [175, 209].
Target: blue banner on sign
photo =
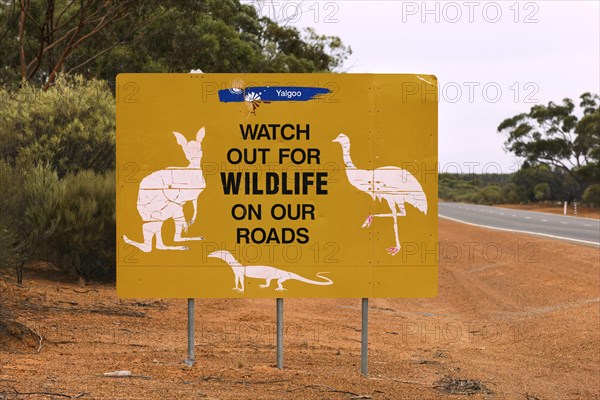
[271, 93]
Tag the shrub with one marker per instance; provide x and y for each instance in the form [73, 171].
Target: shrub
[70, 127]
[464, 198]
[69, 221]
[10, 184]
[591, 196]
[84, 241]
[489, 195]
[29, 213]
[57, 158]
[541, 191]
[510, 193]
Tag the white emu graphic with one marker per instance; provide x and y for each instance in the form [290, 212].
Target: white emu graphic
[163, 193]
[263, 272]
[394, 185]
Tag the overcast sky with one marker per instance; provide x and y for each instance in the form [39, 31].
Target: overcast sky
[531, 52]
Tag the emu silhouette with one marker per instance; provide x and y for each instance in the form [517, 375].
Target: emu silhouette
[394, 185]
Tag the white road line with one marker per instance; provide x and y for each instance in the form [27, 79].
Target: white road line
[597, 244]
[527, 217]
[513, 215]
[563, 222]
[544, 220]
[539, 212]
[586, 225]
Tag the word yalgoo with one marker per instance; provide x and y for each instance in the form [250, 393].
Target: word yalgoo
[263, 272]
[289, 93]
[163, 194]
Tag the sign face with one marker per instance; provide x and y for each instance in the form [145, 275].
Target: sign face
[276, 185]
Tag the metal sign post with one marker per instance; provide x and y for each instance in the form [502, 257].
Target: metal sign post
[191, 357]
[364, 340]
[279, 333]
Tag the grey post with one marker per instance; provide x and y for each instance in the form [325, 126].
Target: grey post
[279, 333]
[364, 340]
[191, 357]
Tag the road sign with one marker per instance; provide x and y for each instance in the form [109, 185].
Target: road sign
[276, 185]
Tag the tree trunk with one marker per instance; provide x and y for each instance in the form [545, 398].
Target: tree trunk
[22, 40]
[20, 273]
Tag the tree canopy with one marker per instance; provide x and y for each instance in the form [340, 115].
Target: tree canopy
[99, 38]
[561, 137]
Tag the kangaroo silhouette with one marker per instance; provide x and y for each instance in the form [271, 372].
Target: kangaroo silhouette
[163, 193]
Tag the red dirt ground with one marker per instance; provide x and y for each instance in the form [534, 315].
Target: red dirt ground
[517, 313]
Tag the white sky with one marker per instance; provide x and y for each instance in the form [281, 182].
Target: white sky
[556, 54]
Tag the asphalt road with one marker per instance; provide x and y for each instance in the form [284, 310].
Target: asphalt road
[581, 230]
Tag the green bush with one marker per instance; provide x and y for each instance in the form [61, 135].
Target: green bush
[541, 191]
[70, 127]
[510, 194]
[57, 158]
[69, 222]
[464, 198]
[38, 210]
[489, 195]
[10, 183]
[84, 240]
[526, 179]
[591, 196]
[29, 216]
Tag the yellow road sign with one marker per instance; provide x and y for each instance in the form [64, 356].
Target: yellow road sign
[276, 185]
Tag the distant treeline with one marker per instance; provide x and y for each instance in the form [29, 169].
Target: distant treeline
[531, 184]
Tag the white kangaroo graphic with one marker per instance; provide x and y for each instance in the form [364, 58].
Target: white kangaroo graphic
[163, 193]
[263, 272]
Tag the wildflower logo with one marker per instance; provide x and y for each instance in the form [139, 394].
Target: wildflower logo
[252, 97]
[252, 100]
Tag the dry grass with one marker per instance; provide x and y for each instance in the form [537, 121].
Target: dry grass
[451, 385]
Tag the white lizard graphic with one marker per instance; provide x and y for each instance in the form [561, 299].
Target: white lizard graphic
[263, 272]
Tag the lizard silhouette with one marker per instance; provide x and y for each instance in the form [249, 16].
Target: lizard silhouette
[263, 272]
